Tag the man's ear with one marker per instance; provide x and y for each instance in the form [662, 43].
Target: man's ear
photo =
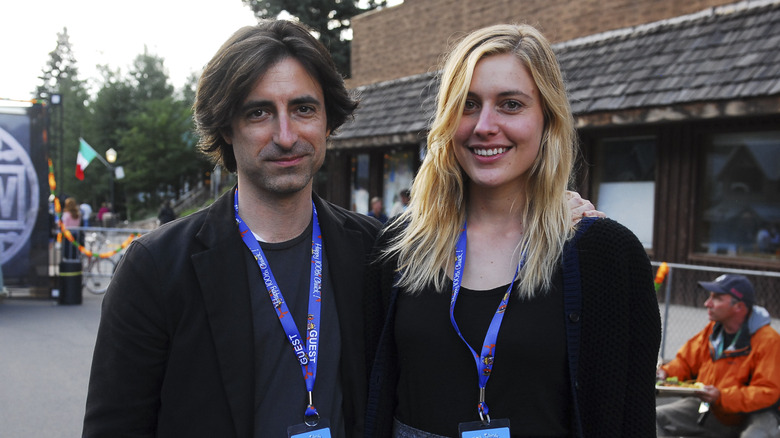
[226, 135]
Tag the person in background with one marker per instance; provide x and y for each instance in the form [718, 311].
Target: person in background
[71, 218]
[105, 215]
[102, 210]
[377, 209]
[71, 215]
[737, 359]
[400, 205]
[492, 311]
[166, 213]
[220, 323]
[86, 212]
[774, 232]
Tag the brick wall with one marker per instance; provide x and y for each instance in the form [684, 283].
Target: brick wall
[410, 38]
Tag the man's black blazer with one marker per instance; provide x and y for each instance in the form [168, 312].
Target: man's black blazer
[174, 355]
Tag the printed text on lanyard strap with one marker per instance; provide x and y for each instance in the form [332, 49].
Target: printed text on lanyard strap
[308, 361]
[484, 360]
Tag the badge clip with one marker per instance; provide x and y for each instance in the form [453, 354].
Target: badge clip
[482, 408]
[311, 418]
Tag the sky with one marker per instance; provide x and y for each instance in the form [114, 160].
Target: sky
[185, 33]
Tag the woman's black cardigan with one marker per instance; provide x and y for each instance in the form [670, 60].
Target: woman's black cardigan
[613, 331]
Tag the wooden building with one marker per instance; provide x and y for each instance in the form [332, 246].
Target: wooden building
[679, 122]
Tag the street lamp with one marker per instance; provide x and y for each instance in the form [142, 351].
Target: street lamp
[111, 158]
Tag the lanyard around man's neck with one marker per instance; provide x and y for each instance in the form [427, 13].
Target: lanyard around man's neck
[305, 353]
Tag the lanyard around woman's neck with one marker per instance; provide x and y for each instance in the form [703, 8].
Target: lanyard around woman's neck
[308, 360]
[484, 360]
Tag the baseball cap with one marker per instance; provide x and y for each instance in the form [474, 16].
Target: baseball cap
[738, 286]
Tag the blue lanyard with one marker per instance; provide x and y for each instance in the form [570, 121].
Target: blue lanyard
[308, 360]
[484, 361]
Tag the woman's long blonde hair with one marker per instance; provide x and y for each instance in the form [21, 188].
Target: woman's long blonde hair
[436, 214]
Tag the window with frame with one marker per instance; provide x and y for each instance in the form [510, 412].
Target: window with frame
[359, 182]
[624, 182]
[738, 208]
[398, 174]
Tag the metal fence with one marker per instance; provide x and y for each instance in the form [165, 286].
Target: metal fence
[108, 242]
[681, 301]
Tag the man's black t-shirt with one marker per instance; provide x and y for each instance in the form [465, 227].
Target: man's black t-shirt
[280, 391]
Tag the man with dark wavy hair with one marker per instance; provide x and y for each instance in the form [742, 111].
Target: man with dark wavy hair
[220, 324]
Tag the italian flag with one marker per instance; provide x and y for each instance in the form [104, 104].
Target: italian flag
[86, 155]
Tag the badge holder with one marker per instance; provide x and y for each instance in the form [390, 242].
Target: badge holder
[318, 430]
[704, 411]
[498, 428]
[312, 427]
[485, 427]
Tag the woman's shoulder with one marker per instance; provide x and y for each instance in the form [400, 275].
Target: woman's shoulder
[606, 233]
[607, 226]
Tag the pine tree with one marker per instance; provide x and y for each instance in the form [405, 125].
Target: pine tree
[331, 19]
[70, 119]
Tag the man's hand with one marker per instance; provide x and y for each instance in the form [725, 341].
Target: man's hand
[709, 394]
[581, 208]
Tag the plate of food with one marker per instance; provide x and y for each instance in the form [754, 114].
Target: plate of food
[673, 386]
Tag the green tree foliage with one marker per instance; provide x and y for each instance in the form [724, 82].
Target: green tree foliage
[162, 159]
[69, 120]
[149, 78]
[139, 115]
[111, 110]
[154, 142]
[189, 89]
[112, 107]
[331, 19]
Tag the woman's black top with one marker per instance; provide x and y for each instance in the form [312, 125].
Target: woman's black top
[438, 383]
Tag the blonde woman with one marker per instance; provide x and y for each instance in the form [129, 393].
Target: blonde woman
[505, 319]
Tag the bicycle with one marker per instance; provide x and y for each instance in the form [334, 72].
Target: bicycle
[97, 271]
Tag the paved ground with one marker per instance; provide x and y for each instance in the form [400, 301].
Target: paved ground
[46, 351]
[45, 355]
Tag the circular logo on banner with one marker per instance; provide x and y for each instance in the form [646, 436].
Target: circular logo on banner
[19, 195]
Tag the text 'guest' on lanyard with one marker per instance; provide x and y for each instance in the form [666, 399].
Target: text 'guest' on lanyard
[307, 352]
[484, 360]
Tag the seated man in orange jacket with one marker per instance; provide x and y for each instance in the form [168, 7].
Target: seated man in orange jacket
[737, 358]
